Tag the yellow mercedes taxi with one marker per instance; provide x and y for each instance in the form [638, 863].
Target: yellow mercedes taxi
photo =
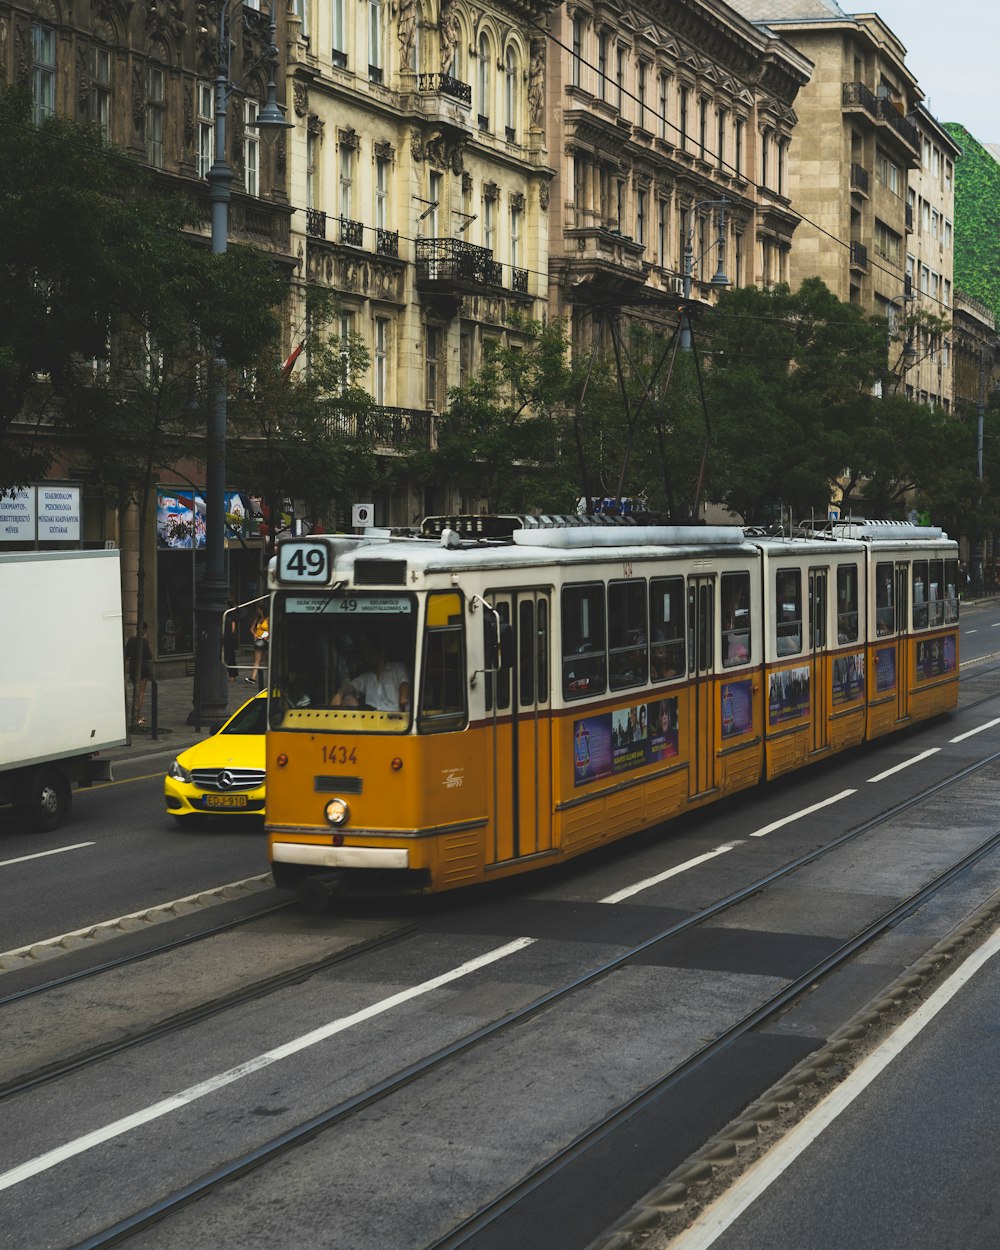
[225, 773]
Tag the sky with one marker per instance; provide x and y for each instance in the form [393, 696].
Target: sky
[952, 50]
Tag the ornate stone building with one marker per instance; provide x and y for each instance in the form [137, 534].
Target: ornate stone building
[656, 116]
[420, 189]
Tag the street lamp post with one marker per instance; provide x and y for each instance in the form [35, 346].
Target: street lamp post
[210, 694]
[719, 278]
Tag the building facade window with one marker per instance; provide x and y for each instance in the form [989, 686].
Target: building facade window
[602, 66]
[312, 170]
[155, 115]
[682, 103]
[489, 223]
[251, 148]
[346, 181]
[382, 171]
[43, 72]
[435, 191]
[515, 237]
[375, 40]
[432, 341]
[663, 106]
[510, 94]
[206, 127]
[380, 360]
[702, 127]
[641, 74]
[661, 233]
[640, 217]
[485, 84]
[577, 66]
[720, 139]
[339, 34]
[100, 90]
[619, 77]
[738, 146]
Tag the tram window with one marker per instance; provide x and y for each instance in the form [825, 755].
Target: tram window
[584, 659]
[847, 603]
[935, 592]
[885, 616]
[526, 649]
[442, 687]
[542, 650]
[496, 684]
[788, 611]
[666, 628]
[919, 594]
[951, 590]
[735, 618]
[628, 652]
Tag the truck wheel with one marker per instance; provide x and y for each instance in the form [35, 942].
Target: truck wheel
[44, 798]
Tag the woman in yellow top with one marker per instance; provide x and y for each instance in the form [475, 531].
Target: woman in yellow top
[261, 632]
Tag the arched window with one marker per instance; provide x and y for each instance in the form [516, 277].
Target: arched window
[484, 82]
[510, 94]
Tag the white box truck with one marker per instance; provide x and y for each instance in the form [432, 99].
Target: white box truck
[62, 696]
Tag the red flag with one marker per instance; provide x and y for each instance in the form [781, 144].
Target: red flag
[289, 364]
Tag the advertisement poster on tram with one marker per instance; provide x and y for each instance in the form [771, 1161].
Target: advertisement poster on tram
[616, 742]
[789, 694]
[737, 708]
[935, 658]
[849, 678]
[885, 669]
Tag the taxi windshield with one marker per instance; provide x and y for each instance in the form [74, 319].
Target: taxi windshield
[342, 660]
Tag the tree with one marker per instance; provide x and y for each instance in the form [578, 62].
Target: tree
[790, 387]
[504, 435]
[306, 432]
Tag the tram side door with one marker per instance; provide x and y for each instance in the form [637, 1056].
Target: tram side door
[702, 716]
[819, 676]
[521, 731]
[902, 641]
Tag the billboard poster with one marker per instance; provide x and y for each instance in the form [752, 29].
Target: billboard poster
[885, 669]
[58, 514]
[788, 696]
[935, 658]
[610, 743]
[849, 678]
[180, 518]
[737, 708]
[17, 516]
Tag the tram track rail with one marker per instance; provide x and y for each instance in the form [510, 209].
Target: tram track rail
[503, 1203]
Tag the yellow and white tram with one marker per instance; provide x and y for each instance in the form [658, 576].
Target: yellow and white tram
[493, 695]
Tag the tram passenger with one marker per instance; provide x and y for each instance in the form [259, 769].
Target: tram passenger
[384, 685]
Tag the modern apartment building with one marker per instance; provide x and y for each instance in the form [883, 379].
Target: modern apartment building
[930, 259]
[657, 117]
[855, 147]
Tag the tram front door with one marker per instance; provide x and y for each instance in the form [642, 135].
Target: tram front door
[702, 717]
[902, 645]
[522, 731]
[819, 676]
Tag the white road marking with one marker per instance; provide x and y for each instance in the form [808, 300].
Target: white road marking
[629, 890]
[978, 730]
[51, 1158]
[905, 764]
[56, 850]
[717, 1218]
[806, 811]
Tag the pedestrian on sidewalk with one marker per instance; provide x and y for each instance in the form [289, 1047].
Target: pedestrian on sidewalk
[138, 659]
[261, 632]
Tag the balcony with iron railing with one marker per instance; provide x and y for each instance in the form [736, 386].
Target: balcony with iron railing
[352, 233]
[889, 113]
[392, 429]
[859, 256]
[519, 281]
[859, 178]
[444, 85]
[855, 95]
[387, 242]
[455, 266]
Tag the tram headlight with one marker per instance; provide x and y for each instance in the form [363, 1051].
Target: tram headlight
[337, 812]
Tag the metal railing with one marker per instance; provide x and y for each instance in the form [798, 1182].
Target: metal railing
[454, 260]
[387, 242]
[315, 223]
[857, 95]
[352, 232]
[859, 178]
[444, 84]
[859, 255]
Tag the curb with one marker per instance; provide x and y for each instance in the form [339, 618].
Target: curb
[668, 1209]
[37, 953]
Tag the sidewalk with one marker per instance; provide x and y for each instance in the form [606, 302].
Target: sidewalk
[172, 698]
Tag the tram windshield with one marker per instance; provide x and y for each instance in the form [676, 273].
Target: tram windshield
[342, 661]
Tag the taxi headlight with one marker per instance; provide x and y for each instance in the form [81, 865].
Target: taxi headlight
[179, 772]
[337, 812]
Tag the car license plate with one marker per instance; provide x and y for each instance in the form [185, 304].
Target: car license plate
[225, 800]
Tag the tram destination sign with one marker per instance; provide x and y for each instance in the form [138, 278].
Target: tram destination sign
[349, 605]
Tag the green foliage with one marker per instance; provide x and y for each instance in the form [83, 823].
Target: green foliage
[96, 272]
[977, 220]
